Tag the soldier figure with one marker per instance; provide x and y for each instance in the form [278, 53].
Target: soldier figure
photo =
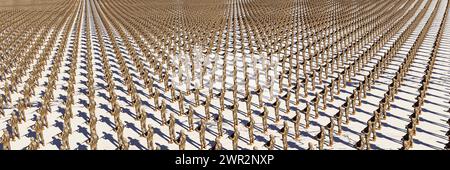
[217, 144]
[181, 141]
[250, 126]
[149, 136]
[285, 132]
[270, 145]
[330, 127]
[6, 140]
[320, 137]
[316, 101]
[235, 138]
[297, 124]
[171, 128]
[163, 113]
[277, 110]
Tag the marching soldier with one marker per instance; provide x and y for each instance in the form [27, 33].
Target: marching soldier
[330, 127]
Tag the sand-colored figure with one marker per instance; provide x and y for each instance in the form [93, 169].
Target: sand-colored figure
[201, 129]
[92, 141]
[219, 120]
[250, 125]
[330, 128]
[149, 137]
[171, 128]
[6, 140]
[307, 111]
[259, 92]
[284, 133]
[264, 116]
[270, 145]
[316, 101]
[235, 138]
[276, 106]
[361, 143]
[190, 115]
[163, 111]
[296, 120]
[181, 141]
[181, 104]
[320, 137]
[217, 145]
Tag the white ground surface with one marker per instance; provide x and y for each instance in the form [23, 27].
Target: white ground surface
[430, 132]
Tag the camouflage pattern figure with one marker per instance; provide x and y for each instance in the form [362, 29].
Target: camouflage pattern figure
[288, 101]
[235, 109]
[330, 127]
[305, 86]
[34, 145]
[235, 138]
[276, 105]
[92, 141]
[38, 128]
[361, 143]
[149, 136]
[284, 133]
[201, 130]
[207, 105]
[181, 141]
[197, 96]
[181, 103]
[14, 124]
[346, 112]
[171, 128]
[6, 140]
[316, 101]
[222, 100]
[156, 99]
[163, 109]
[324, 94]
[320, 137]
[191, 118]
[270, 145]
[407, 141]
[250, 125]
[264, 120]
[259, 92]
[307, 110]
[296, 120]
[217, 144]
